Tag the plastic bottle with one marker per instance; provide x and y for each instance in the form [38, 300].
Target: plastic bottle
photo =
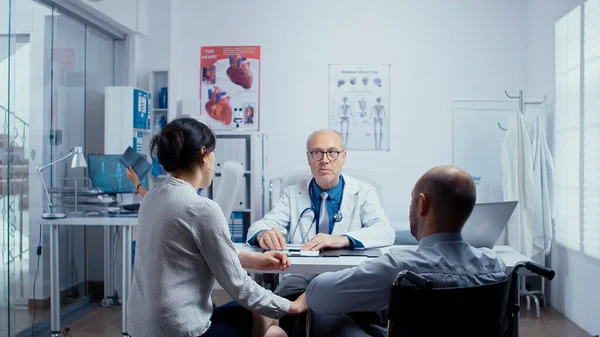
[164, 97]
[160, 99]
[157, 126]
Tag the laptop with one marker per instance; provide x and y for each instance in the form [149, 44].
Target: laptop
[486, 223]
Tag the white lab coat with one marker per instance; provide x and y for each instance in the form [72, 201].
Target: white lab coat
[528, 176]
[518, 184]
[363, 218]
[544, 187]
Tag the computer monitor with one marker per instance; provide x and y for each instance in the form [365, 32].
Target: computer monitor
[110, 175]
[486, 223]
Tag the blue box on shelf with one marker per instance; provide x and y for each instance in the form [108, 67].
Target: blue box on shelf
[141, 113]
[236, 227]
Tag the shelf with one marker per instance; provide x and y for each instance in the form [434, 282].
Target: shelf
[245, 210]
[245, 173]
[235, 133]
[159, 110]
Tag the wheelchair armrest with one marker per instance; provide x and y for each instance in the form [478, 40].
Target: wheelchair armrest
[379, 329]
[369, 322]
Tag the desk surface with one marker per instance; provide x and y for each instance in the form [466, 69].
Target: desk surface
[318, 265]
[93, 220]
[300, 264]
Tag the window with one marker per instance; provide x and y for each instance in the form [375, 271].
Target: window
[591, 129]
[577, 130]
[567, 128]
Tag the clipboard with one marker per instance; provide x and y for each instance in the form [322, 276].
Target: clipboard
[369, 252]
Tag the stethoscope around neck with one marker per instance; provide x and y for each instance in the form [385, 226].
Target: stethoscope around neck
[337, 217]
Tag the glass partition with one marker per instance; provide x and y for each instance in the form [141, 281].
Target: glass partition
[11, 173]
[53, 70]
[479, 130]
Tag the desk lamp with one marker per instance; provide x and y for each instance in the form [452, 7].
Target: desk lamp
[77, 161]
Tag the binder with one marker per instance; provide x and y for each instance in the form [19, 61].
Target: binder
[239, 150]
[215, 186]
[241, 200]
[232, 152]
[226, 146]
[220, 148]
[236, 227]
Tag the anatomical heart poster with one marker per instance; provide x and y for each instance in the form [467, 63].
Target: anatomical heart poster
[359, 105]
[230, 87]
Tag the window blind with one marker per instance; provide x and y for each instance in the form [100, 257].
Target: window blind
[567, 128]
[591, 129]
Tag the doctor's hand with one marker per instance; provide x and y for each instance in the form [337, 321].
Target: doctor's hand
[271, 239]
[272, 260]
[322, 240]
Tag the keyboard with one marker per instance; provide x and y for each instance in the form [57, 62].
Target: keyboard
[131, 207]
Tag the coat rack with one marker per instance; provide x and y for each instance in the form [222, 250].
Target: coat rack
[523, 291]
[522, 104]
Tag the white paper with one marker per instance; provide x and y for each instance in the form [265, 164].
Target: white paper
[359, 105]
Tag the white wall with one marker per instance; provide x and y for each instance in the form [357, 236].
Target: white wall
[437, 49]
[129, 14]
[154, 47]
[574, 291]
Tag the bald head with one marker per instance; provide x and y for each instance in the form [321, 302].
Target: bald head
[448, 193]
[327, 133]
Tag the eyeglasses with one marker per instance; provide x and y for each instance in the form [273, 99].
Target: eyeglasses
[331, 154]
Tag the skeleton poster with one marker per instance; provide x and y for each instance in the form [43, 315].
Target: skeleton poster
[359, 100]
[230, 87]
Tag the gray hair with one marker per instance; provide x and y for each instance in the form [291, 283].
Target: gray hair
[323, 130]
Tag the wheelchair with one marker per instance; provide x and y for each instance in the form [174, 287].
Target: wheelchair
[416, 308]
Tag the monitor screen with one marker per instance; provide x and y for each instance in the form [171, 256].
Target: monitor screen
[110, 175]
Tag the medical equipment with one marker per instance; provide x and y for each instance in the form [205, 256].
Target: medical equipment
[337, 217]
[108, 174]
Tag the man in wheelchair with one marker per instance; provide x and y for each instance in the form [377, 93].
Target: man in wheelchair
[441, 202]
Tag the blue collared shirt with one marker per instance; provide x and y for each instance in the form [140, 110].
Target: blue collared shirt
[333, 204]
[443, 258]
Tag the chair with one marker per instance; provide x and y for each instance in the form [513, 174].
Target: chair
[418, 309]
[295, 177]
[232, 178]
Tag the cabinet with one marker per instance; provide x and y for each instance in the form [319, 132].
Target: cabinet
[127, 120]
[159, 86]
[247, 149]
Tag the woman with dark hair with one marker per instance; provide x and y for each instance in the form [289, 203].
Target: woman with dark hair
[185, 244]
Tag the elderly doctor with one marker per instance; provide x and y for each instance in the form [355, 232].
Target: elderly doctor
[350, 215]
[330, 210]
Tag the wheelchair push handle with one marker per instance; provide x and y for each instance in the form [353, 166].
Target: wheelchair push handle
[416, 279]
[535, 268]
[540, 270]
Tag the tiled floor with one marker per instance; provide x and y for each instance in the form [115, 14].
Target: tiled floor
[20, 319]
[106, 322]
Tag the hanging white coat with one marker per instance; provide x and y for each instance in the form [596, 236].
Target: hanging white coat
[544, 191]
[518, 184]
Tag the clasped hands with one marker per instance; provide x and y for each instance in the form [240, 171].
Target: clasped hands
[273, 239]
[273, 260]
